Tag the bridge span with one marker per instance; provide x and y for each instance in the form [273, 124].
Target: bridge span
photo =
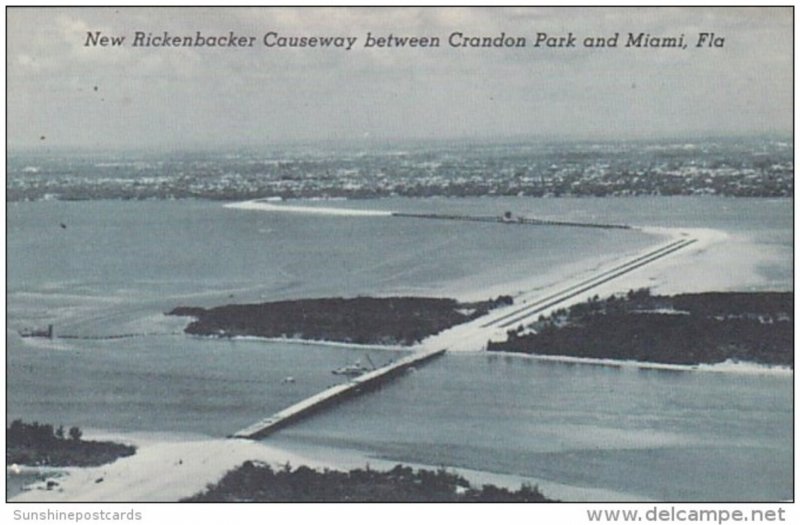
[336, 394]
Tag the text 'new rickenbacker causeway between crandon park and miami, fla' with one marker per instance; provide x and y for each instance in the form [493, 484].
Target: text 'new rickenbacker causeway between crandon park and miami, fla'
[456, 40]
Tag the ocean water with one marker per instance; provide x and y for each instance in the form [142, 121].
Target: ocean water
[114, 267]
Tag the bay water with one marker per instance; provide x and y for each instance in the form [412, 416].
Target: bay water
[97, 269]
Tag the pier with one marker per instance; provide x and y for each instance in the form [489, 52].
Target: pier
[357, 385]
[508, 218]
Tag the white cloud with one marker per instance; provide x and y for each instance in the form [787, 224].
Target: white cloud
[201, 94]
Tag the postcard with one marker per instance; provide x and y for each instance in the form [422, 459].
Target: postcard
[400, 254]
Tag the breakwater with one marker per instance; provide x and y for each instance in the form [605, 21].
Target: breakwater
[509, 219]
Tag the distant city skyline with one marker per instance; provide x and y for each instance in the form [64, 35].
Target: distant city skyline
[66, 90]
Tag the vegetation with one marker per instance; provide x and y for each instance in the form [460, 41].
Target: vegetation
[362, 320]
[38, 444]
[687, 329]
[253, 482]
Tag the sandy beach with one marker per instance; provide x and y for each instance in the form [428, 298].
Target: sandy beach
[169, 467]
[259, 205]
[166, 467]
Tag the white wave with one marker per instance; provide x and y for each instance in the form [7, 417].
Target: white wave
[745, 367]
[268, 206]
[724, 367]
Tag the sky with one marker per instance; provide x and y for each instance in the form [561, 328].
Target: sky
[66, 94]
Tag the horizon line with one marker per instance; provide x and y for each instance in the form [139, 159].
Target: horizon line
[389, 142]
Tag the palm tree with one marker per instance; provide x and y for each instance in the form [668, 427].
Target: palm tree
[75, 434]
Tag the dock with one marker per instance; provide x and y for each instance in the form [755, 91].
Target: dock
[335, 394]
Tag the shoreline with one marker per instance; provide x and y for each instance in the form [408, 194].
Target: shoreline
[260, 205]
[726, 367]
[168, 467]
[165, 468]
[336, 344]
[310, 342]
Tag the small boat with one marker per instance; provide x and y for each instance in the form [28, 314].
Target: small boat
[353, 370]
[29, 332]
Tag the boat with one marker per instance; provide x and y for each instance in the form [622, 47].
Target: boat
[29, 332]
[354, 370]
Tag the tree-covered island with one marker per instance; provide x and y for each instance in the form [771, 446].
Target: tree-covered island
[38, 444]
[360, 320]
[687, 329]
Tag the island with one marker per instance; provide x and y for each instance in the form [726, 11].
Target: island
[360, 320]
[686, 329]
[35, 444]
[258, 482]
